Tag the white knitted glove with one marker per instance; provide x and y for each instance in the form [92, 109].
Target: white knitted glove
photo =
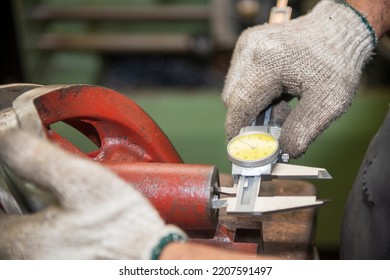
[317, 57]
[96, 215]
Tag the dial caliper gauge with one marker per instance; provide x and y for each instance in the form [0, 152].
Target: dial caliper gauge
[253, 148]
[256, 155]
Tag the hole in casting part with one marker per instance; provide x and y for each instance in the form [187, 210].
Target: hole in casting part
[74, 136]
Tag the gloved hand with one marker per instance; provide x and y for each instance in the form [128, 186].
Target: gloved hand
[96, 214]
[317, 58]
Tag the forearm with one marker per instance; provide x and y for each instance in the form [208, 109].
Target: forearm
[377, 13]
[194, 251]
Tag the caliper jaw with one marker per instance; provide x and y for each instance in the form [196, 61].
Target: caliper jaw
[245, 191]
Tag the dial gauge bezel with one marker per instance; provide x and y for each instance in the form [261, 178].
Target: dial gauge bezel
[246, 139]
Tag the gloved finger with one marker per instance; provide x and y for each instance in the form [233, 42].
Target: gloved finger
[251, 85]
[8, 119]
[237, 68]
[6, 244]
[13, 238]
[313, 114]
[244, 107]
[33, 236]
[280, 112]
[75, 182]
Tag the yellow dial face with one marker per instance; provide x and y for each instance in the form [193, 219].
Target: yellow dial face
[254, 147]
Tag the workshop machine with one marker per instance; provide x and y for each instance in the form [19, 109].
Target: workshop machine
[189, 195]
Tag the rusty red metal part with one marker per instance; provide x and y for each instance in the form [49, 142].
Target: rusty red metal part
[182, 193]
[118, 126]
[132, 145]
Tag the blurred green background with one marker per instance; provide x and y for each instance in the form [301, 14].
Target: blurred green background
[181, 90]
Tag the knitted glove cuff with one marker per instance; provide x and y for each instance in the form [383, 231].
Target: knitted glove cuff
[167, 235]
[338, 24]
[363, 19]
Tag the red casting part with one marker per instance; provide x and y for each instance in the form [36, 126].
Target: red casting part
[117, 125]
[181, 192]
[133, 146]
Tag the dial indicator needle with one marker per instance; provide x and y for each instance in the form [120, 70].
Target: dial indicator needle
[251, 146]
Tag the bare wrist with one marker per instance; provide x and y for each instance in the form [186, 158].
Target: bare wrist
[376, 12]
[195, 251]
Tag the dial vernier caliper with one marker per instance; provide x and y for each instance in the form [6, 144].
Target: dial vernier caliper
[255, 154]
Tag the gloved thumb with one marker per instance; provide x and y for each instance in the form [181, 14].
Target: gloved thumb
[315, 111]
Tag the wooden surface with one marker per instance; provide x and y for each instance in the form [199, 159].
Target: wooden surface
[289, 235]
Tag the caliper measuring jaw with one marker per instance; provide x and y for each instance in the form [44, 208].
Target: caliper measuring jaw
[246, 200]
[256, 156]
